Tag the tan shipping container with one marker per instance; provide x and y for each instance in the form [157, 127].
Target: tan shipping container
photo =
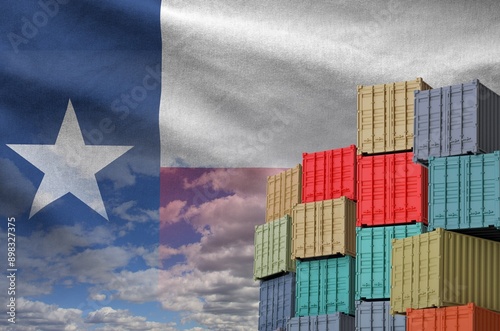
[283, 193]
[443, 268]
[385, 116]
[324, 228]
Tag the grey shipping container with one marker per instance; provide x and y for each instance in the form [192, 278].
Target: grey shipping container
[456, 120]
[330, 322]
[376, 316]
[277, 302]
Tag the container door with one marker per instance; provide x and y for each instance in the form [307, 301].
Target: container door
[325, 228]
[484, 190]
[401, 100]
[467, 97]
[437, 122]
[310, 221]
[266, 249]
[465, 201]
[331, 286]
[315, 289]
[385, 260]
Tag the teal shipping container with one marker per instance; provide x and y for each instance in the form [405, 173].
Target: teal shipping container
[273, 248]
[325, 286]
[373, 258]
[464, 194]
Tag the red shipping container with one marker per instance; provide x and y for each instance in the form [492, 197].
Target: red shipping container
[457, 318]
[391, 190]
[329, 174]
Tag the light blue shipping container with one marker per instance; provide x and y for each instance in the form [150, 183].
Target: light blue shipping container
[464, 193]
[376, 316]
[277, 302]
[325, 286]
[330, 322]
[373, 258]
[456, 120]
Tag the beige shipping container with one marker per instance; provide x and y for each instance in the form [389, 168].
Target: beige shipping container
[324, 228]
[443, 268]
[385, 116]
[283, 193]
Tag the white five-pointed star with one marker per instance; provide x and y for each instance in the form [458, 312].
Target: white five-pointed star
[69, 166]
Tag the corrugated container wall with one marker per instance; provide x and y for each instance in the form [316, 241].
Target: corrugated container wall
[444, 268]
[385, 116]
[331, 322]
[277, 302]
[283, 193]
[465, 193]
[456, 120]
[324, 228]
[376, 316]
[329, 174]
[273, 248]
[458, 318]
[325, 286]
[373, 258]
[391, 190]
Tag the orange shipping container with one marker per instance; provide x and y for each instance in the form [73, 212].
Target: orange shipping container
[457, 318]
[283, 193]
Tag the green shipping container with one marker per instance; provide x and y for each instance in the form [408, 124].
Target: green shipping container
[373, 258]
[273, 248]
[325, 286]
[443, 268]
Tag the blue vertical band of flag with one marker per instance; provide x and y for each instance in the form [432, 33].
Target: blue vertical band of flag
[104, 56]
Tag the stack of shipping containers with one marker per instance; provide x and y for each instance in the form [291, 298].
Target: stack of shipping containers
[273, 264]
[392, 195]
[456, 265]
[352, 222]
[324, 244]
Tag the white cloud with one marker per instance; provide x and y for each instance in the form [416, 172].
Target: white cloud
[124, 320]
[171, 213]
[243, 182]
[39, 316]
[98, 297]
[217, 300]
[129, 212]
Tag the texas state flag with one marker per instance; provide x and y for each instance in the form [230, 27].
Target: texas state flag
[136, 137]
[129, 196]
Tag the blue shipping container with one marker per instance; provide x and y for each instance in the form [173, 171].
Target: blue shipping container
[464, 192]
[373, 258]
[376, 316]
[331, 322]
[325, 286]
[456, 120]
[277, 302]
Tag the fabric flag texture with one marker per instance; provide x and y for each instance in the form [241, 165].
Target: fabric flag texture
[136, 137]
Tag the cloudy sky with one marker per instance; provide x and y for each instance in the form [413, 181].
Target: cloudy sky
[247, 86]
